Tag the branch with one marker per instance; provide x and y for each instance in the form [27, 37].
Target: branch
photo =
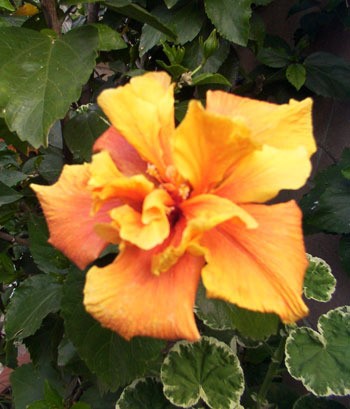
[13, 239]
[50, 14]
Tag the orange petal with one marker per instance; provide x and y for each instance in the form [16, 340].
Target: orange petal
[125, 156]
[149, 228]
[286, 126]
[260, 269]
[259, 176]
[107, 182]
[127, 298]
[206, 145]
[67, 207]
[143, 112]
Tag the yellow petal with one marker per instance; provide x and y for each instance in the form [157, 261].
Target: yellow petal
[143, 112]
[286, 126]
[67, 207]
[26, 10]
[126, 297]
[206, 145]
[259, 176]
[260, 269]
[148, 228]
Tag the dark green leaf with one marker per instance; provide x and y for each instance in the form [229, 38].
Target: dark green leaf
[109, 39]
[144, 393]
[170, 3]
[296, 75]
[52, 399]
[46, 257]
[41, 76]
[50, 164]
[218, 314]
[81, 131]
[230, 18]
[30, 304]
[328, 75]
[96, 400]
[114, 360]
[313, 402]
[8, 195]
[81, 405]
[7, 269]
[274, 57]
[207, 370]
[11, 177]
[207, 79]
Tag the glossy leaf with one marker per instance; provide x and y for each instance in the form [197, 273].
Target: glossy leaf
[319, 282]
[321, 360]
[30, 304]
[51, 72]
[221, 315]
[296, 75]
[115, 361]
[230, 19]
[207, 370]
[144, 393]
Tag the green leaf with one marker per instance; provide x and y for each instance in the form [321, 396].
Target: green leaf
[28, 382]
[50, 164]
[170, 3]
[137, 13]
[6, 4]
[115, 361]
[46, 257]
[321, 360]
[82, 130]
[41, 76]
[144, 393]
[81, 405]
[296, 75]
[11, 177]
[274, 57]
[8, 195]
[207, 369]
[221, 315]
[319, 282]
[327, 75]
[30, 304]
[108, 38]
[327, 206]
[52, 399]
[7, 269]
[208, 79]
[313, 402]
[96, 400]
[231, 18]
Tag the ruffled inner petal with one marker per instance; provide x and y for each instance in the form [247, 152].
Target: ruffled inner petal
[259, 269]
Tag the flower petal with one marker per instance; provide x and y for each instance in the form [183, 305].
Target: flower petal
[127, 298]
[260, 269]
[125, 156]
[206, 145]
[149, 228]
[286, 126]
[259, 176]
[143, 112]
[67, 207]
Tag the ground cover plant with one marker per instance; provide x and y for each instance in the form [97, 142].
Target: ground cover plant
[146, 260]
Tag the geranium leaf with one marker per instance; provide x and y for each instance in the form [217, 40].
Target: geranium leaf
[313, 402]
[221, 315]
[31, 302]
[115, 361]
[231, 18]
[207, 369]
[321, 360]
[40, 76]
[144, 393]
[319, 282]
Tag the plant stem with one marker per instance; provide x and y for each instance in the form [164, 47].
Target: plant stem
[49, 8]
[276, 361]
[13, 239]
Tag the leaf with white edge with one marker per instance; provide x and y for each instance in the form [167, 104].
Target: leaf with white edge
[41, 76]
[207, 370]
[81, 131]
[319, 282]
[313, 402]
[31, 302]
[321, 360]
[115, 361]
[296, 75]
[231, 18]
[221, 315]
[108, 38]
[144, 393]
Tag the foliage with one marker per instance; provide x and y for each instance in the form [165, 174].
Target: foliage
[55, 58]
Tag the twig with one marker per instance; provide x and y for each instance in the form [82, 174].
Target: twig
[13, 239]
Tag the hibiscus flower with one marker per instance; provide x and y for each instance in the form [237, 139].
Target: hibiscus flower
[185, 203]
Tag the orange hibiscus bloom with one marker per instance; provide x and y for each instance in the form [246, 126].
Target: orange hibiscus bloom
[184, 203]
